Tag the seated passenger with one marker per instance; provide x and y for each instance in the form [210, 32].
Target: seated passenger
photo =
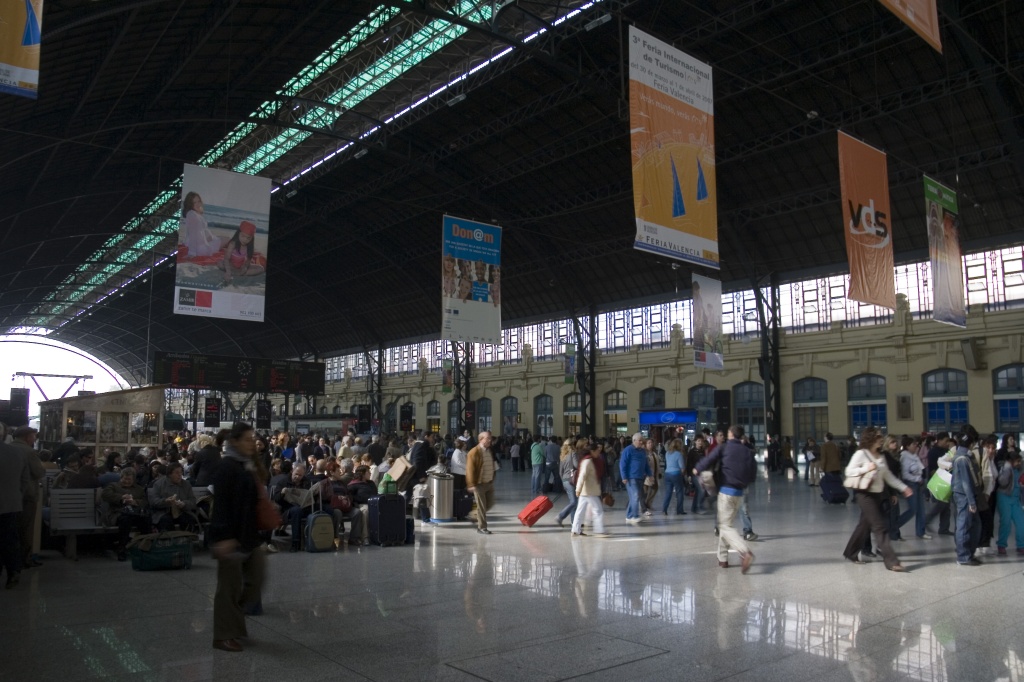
[126, 501]
[172, 501]
[86, 476]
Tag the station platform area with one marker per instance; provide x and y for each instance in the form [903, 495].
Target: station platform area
[647, 603]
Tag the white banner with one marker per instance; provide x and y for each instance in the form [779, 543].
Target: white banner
[707, 323]
[470, 281]
[222, 244]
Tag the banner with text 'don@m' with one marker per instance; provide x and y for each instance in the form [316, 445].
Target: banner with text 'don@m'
[470, 281]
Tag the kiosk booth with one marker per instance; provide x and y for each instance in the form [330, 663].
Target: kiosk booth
[654, 423]
[119, 420]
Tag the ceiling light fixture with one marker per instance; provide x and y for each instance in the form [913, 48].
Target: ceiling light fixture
[458, 98]
[600, 21]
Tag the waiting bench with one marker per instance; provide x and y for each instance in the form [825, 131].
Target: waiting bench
[73, 513]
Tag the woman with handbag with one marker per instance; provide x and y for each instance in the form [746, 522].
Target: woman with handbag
[868, 474]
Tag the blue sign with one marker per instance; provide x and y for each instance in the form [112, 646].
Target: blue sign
[668, 417]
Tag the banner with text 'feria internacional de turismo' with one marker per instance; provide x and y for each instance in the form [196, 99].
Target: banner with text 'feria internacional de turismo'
[920, 15]
[222, 244]
[948, 303]
[864, 186]
[470, 281]
[21, 24]
[672, 140]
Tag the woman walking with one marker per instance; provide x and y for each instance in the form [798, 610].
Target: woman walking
[869, 462]
[235, 539]
[674, 478]
[568, 462]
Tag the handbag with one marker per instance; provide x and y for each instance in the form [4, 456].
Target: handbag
[608, 499]
[940, 485]
[268, 517]
[861, 481]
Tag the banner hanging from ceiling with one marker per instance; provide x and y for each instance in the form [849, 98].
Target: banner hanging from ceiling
[920, 15]
[948, 303]
[708, 346]
[864, 186]
[672, 140]
[21, 23]
[222, 244]
[470, 281]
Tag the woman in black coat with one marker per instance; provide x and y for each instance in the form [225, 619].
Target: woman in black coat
[234, 538]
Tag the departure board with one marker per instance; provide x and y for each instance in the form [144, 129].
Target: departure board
[229, 373]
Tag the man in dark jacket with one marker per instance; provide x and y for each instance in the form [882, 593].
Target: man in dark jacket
[235, 539]
[738, 470]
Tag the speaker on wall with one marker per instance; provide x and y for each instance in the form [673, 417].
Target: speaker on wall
[18, 408]
[972, 354]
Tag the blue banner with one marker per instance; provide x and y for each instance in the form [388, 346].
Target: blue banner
[470, 281]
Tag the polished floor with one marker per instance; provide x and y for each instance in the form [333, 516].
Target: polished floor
[649, 603]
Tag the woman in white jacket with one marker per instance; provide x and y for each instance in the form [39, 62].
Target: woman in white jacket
[588, 492]
[869, 461]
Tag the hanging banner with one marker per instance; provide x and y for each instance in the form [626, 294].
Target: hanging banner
[470, 281]
[920, 15]
[708, 345]
[447, 376]
[222, 244]
[672, 140]
[569, 364]
[864, 186]
[21, 23]
[944, 250]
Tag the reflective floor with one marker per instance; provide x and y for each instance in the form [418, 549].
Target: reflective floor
[534, 604]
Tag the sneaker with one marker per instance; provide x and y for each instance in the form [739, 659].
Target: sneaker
[862, 557]
[648, 514]
[750, 535]
[869, 554]
[633, 522]
[272, 548]
[945, 532]
[972, 562]
[925, 536]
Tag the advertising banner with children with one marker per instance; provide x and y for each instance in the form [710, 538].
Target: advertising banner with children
[470, 281]
[222, 244]
[672, 142]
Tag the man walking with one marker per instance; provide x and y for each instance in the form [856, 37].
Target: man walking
[738, 471]
[537, 463]
[633, 469]
[480, 479]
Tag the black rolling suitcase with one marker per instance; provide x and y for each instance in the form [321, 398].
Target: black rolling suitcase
[387, 520]
[462, 504]
[832, 490]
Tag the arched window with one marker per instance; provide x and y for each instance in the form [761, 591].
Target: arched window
[434, 408]
[509, 415]
[544, 414]
[391, 418]
[323, 409]
[945, 400]
[1008, 387]
[702, 399]
[615, 422]
[810, 411]
[337, 410]
[866, 400]
[652, 399]
[748, 405]
[484, 410]
[571, 414]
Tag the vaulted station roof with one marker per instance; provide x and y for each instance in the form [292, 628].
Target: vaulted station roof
[375, 119]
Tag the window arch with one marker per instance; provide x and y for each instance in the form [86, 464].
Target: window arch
[748, 406]
[484, 421]
[1008, 387]
[509, 415]
[810, 409]
[614, 400]
[571, 402]
[702, 399]
[544, 414]
[323, 409]
[434, 408]
[652, 399]
[866, 400]
[945, 399]
[615, 404]
[337, 410]
[454, 417]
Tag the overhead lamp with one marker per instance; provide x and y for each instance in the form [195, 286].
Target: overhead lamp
[458, 98]
[360, 154]
[600, 21]
[292, 193]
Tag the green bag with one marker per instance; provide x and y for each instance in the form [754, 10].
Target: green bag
[941, 485]
[388, 486]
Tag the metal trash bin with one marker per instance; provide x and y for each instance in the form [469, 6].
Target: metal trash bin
[442, 490]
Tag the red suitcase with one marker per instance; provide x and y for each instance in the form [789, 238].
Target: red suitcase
[536, 509]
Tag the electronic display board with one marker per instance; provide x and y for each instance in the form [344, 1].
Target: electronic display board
[230, 373]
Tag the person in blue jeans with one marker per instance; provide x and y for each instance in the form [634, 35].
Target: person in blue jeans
[966, 486]
[693, 456]
[912, 473]
[569, 461]
[1008, 502]
[674, 478]
[633, 469]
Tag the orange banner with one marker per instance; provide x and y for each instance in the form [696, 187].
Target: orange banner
[920, 15]
[864, 185]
